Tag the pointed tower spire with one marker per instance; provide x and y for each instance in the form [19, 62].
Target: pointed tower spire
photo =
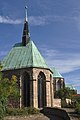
[26, 13]
[25, 37]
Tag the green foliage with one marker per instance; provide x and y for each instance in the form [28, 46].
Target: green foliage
[14, 111]
[7, 88]
[76, 98]
[2, 111]
[0, 66]
[77, 108]
[76, 103]
[22, 111]
[63, 103]
[65, 93]
[32, 110]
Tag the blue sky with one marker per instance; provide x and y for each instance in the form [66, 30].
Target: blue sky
[54, 27]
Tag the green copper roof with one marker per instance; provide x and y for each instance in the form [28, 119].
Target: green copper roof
[24, 56]
[56, 74]
[70, 86]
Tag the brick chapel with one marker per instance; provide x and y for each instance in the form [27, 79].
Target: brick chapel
[34, 76]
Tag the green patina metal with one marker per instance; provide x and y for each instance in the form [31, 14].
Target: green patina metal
[23, 57]
[70, 86]
[56, 74]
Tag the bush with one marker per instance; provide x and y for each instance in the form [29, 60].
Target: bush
[32, 110]
[2, 111]
[24, 111]
[63, 103]
[77, 109]
[11, 111]
[15, 111]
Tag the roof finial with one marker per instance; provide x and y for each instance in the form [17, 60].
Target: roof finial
[26, 13]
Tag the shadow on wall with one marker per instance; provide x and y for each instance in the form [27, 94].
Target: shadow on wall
[55, 113]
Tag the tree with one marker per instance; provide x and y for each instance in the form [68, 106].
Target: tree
[65, 93]
[7, 88]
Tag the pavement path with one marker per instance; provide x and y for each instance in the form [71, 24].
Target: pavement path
[72, 114]
[29, 117]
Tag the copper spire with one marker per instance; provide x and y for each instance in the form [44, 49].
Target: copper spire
[25, 37]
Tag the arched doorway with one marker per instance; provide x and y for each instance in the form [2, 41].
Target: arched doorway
[26, 90]
[41, 90]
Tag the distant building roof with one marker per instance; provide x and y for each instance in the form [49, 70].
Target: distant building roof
[24, 56]
[76, 95]
[56, 74]
[70, 86]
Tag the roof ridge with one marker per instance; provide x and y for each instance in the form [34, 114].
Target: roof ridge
[41, 59]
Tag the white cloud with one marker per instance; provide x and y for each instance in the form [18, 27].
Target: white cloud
[7, 20]
[48, 52]
[44, 20]
[33, 20]
[64, 62]
[64, 66]
[36, 20]
[76, 85]
[40, 20]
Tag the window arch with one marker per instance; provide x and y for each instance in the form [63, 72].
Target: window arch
[41, 90]
[26, 89]
[58, 84]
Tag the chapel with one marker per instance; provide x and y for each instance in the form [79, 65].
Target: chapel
[34, 77]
